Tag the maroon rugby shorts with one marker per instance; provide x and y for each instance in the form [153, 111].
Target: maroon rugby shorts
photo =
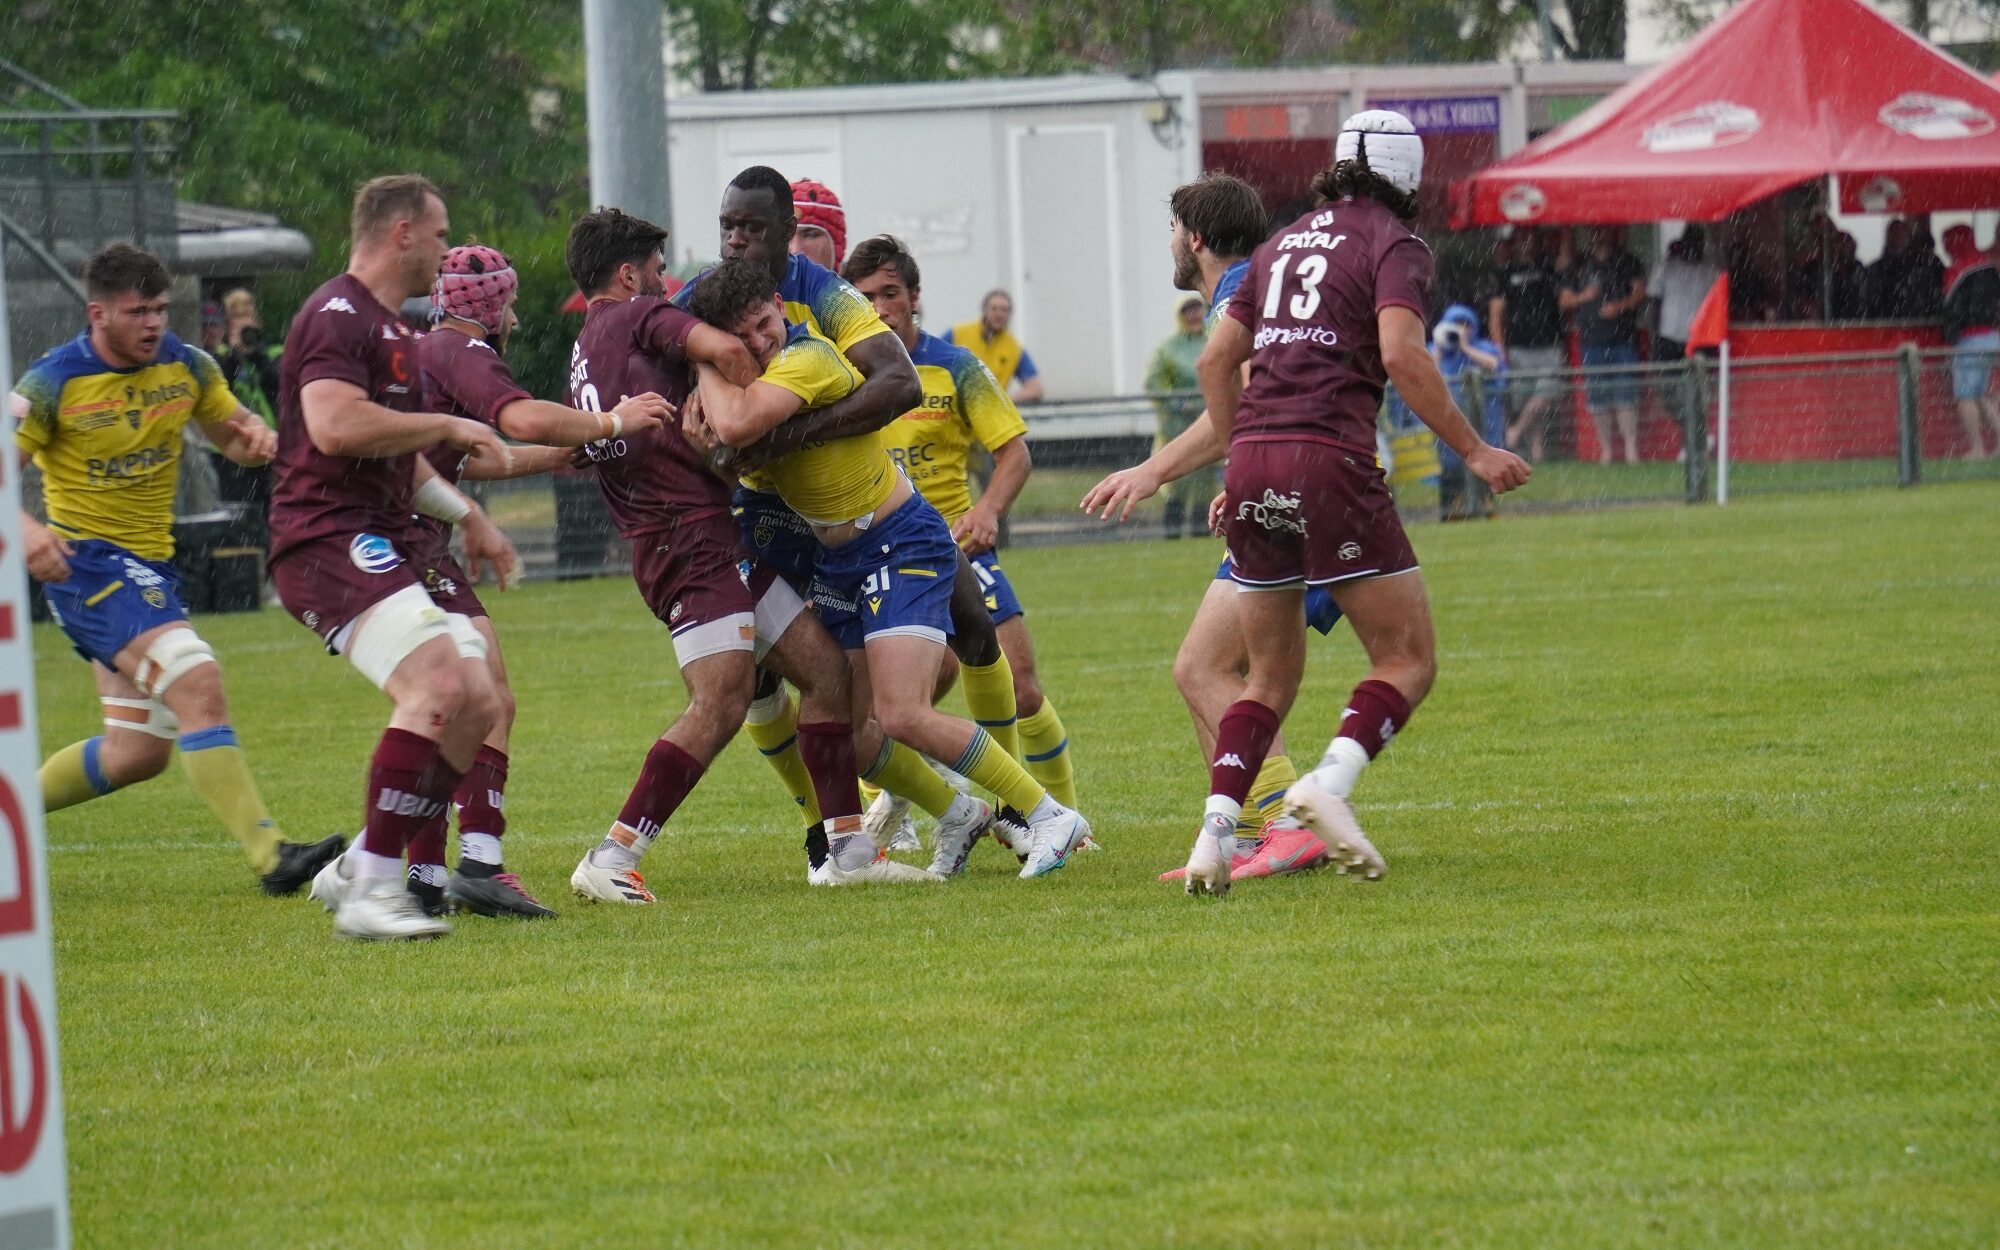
[327, 582]
[1310, 512]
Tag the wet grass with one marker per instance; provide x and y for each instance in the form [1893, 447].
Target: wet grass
[1689, 940]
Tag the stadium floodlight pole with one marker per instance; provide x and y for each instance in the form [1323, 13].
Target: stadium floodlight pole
[625, 92]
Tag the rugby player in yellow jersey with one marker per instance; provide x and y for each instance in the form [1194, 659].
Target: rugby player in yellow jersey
[102, 416]
[963, 404]
[887, 561]
[758, 221]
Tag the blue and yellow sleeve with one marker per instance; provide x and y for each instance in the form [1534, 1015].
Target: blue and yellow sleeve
[844, 314]
[993, 418]
[34, 406]
[1026, 369]
[213, 400]
[812, 370]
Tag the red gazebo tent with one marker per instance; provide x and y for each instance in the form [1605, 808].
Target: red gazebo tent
[1774, 94]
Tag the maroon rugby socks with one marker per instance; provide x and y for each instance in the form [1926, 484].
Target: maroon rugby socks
[409, 788]
[665, 780]
[481, 823]
[827, 749]
[1375, 712]
[1242, 739]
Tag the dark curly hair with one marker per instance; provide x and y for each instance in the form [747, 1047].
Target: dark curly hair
[731, 289]
[1353, 180]
[878, 252]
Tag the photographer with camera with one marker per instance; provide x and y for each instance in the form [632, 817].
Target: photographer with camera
[250, 364]
[1459, 347]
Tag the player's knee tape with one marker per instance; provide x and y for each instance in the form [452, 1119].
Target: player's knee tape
[779, 607]
[172, 656]
[471, 643]
[393, 629]
[158, 722]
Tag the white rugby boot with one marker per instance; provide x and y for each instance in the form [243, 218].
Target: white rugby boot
[384, 910]
[1053, 832]
[1329, 816]
[965, 822]
[594, 883]
[333, 882]
[888, 823]
[851, 859]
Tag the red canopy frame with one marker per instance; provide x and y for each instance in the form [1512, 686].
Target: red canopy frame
[1773, 94]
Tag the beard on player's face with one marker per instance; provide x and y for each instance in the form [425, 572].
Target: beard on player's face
[1187, 269]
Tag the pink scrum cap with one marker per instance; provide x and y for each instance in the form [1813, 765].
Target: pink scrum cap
[474, 284]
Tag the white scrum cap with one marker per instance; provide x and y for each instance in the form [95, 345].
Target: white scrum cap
[1385, 142]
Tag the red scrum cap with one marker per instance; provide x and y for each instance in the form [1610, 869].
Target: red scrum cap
[474, 284]
[815, 204]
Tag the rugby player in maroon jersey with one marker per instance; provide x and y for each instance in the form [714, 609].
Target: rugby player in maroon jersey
[1333, 308]
[686, 558]
[350, 427]
[464, 375]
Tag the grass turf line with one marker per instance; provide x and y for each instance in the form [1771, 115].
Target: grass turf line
[1688, 940]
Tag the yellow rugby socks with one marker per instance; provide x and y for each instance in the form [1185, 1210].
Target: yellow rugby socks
[1045, 753]
[985, 764]
[773, 725]
[1267, 794]
[903, 773]
[215, 766]
[989, 696]
[73, 775]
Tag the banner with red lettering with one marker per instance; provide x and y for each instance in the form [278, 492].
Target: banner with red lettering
[34, 1190]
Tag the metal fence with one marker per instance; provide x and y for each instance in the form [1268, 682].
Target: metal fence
[1805, 423]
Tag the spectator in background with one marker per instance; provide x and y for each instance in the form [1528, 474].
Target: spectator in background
[1176, 392]
[1921, 296]
[1525, 323]
[1681, 281]
[251, 366]
[1972, 325]
[1603, 294]
[1460, 350]
[822, 233]
[1882, 282]
[248, 361]
[990, 339]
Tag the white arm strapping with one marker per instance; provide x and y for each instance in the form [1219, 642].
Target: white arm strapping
[441, 501]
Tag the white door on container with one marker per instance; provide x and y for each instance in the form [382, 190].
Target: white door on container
[1065, 244]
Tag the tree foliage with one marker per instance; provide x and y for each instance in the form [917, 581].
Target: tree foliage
[287, 105]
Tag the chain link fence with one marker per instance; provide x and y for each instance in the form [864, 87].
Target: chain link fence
[1800, 424]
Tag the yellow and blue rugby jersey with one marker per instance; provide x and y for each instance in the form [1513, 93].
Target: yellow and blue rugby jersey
[821, 300]
[818, 298]
[1225, 287]
[963, 404]
[108, 440]
[826, 483]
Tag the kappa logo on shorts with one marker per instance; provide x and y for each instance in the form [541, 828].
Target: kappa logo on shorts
[373, 553]
[1273, 512]
[1350, 551]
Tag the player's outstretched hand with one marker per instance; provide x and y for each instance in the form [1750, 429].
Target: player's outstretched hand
[479, 441]
[643, 412]
[1120, 492]
[484, 544]
[1502, 471]
[47, 552]
[1216, 506]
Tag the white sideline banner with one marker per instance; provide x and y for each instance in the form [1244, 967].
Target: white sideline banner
[34, 1174]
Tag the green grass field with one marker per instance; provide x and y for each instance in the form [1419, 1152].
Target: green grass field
[1689, 939]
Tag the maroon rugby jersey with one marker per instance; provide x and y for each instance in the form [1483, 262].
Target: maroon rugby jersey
[463, 377]
[654, 479]
[1309, 302]
[342, 332]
